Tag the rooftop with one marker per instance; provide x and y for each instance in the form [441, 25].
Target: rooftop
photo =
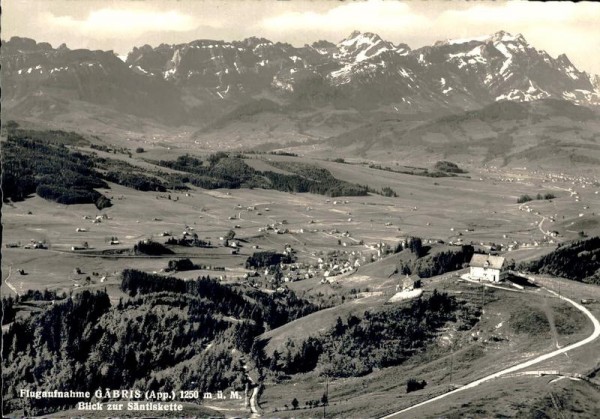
[487, 261]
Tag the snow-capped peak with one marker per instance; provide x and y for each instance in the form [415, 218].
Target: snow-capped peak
[503, 36]
[357, 40]
[500, 36]
[467, 40]
[362, 46]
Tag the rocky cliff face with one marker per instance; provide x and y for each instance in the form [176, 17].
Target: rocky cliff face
[35, 75]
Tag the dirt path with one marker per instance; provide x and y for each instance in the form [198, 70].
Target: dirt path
[254, 403]
[8, 284]
[254, 408]
[595, 334]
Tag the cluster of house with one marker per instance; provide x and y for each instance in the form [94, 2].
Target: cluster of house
[276, 228]
[574, 180]
[329, 266]
[96, 220]
[33, 244]
[483, 267]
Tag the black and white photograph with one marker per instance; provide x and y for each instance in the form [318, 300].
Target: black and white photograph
[300, 209]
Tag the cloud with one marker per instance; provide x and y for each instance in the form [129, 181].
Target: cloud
[523, 13]
[563, 27]
[556, 27]
[367, 16]
[123, 22]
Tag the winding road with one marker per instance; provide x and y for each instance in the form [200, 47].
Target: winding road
[254, 403]
[8, 284]
[522, 365]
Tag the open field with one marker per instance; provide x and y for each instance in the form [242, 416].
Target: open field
[473, 210]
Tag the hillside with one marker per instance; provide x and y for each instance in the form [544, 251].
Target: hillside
[209, 326]
[577, 261]
[545, 132]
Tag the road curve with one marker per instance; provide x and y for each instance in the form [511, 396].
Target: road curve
[517, 367]
[254, 403]
[8, 284]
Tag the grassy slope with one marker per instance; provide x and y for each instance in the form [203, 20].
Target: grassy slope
[384, 391]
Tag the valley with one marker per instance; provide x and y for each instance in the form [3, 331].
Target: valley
[360, 234]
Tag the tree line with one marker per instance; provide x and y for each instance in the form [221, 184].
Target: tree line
[221, 170]
[435, 264]
[388, 337]
[579, 261]
[40, 162]
[167, 335]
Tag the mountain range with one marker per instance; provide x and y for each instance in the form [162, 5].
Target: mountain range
[489, 100]
[195, 82]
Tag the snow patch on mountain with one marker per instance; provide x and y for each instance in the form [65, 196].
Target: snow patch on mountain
[532, 93]
[467, 40]
[504, 51]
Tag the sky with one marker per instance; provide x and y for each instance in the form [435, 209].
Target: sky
[119, 25]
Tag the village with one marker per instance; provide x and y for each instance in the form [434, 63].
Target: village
[331, 262]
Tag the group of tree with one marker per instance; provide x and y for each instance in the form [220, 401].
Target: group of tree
[43, 162]
[414, 244]
[188, 241]
[247, 303]
[267, 258]
[52, 171]
[151, 248]
[9, 311]
[428, 265]
[179, 265]
[413, 385]
[447, 167]
[420, 171]
[135, 180]
[526, 198]
[221, 170]
[379, 339]
[389, 192]
[578, 260]
[442, 262]
[58, 137]
[167, 335]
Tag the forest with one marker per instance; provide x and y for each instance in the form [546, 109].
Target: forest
[50, 170]
[579, 261]
[439, 263]
[221, 170]
[356, 346]
[168, 335]
[44, 162]
[41, 162]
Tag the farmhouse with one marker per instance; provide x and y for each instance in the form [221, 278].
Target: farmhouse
[409, 283]
[487, 267]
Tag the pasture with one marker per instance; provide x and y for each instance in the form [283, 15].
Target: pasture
[453, 209]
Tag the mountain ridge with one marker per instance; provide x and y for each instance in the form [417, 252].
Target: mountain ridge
[197, 81]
